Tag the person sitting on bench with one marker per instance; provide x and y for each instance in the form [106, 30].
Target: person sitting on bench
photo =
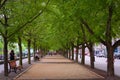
[37, 56]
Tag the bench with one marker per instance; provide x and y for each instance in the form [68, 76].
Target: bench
[13, 66]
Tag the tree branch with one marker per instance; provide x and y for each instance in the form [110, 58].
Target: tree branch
[84, 35]
[91, 32]
[87, 26]
[2, 34]
[108, 27]
[2, 3]
[116, 44]
[2, 23]
[29, 21]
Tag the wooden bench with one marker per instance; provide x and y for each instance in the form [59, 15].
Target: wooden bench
[13, 66]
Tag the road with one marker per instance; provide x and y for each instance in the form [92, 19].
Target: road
[100, 63]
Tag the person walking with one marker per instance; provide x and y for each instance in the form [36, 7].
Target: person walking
[12, 55]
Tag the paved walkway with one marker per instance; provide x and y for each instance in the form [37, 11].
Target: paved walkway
[56, 68]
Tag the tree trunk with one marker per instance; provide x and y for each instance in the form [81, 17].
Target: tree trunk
[34, 50]
[110, 62]
[29, 56]
[77, 48]
[72, 52]
[66, 53]
[83, 54]
[5, 38]
[69, 53]
[83, 44]
[92, 58]
[5, 56]
[20, 51]
[63, 53]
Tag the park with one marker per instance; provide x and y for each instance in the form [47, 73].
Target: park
[63, 27]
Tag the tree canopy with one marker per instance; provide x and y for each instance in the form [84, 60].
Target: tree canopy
[57, 24]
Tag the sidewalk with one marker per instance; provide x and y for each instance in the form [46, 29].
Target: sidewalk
[56, 68]
[13, 74]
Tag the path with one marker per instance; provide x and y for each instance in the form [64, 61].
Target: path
[13, 74]
[57, 67]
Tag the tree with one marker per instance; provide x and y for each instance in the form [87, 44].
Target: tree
[106, 16]
[14, 16]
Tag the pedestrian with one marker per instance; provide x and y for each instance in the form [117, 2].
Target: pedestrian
[37, 56]
[12, 55]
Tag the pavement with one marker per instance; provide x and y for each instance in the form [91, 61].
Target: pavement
[13, 74]
[57, 67]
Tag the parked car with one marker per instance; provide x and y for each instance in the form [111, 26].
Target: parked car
[100, 55]
[117, 56]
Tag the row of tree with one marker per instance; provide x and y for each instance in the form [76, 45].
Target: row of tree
[15, 25]
[61, 25]
[84, 23]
